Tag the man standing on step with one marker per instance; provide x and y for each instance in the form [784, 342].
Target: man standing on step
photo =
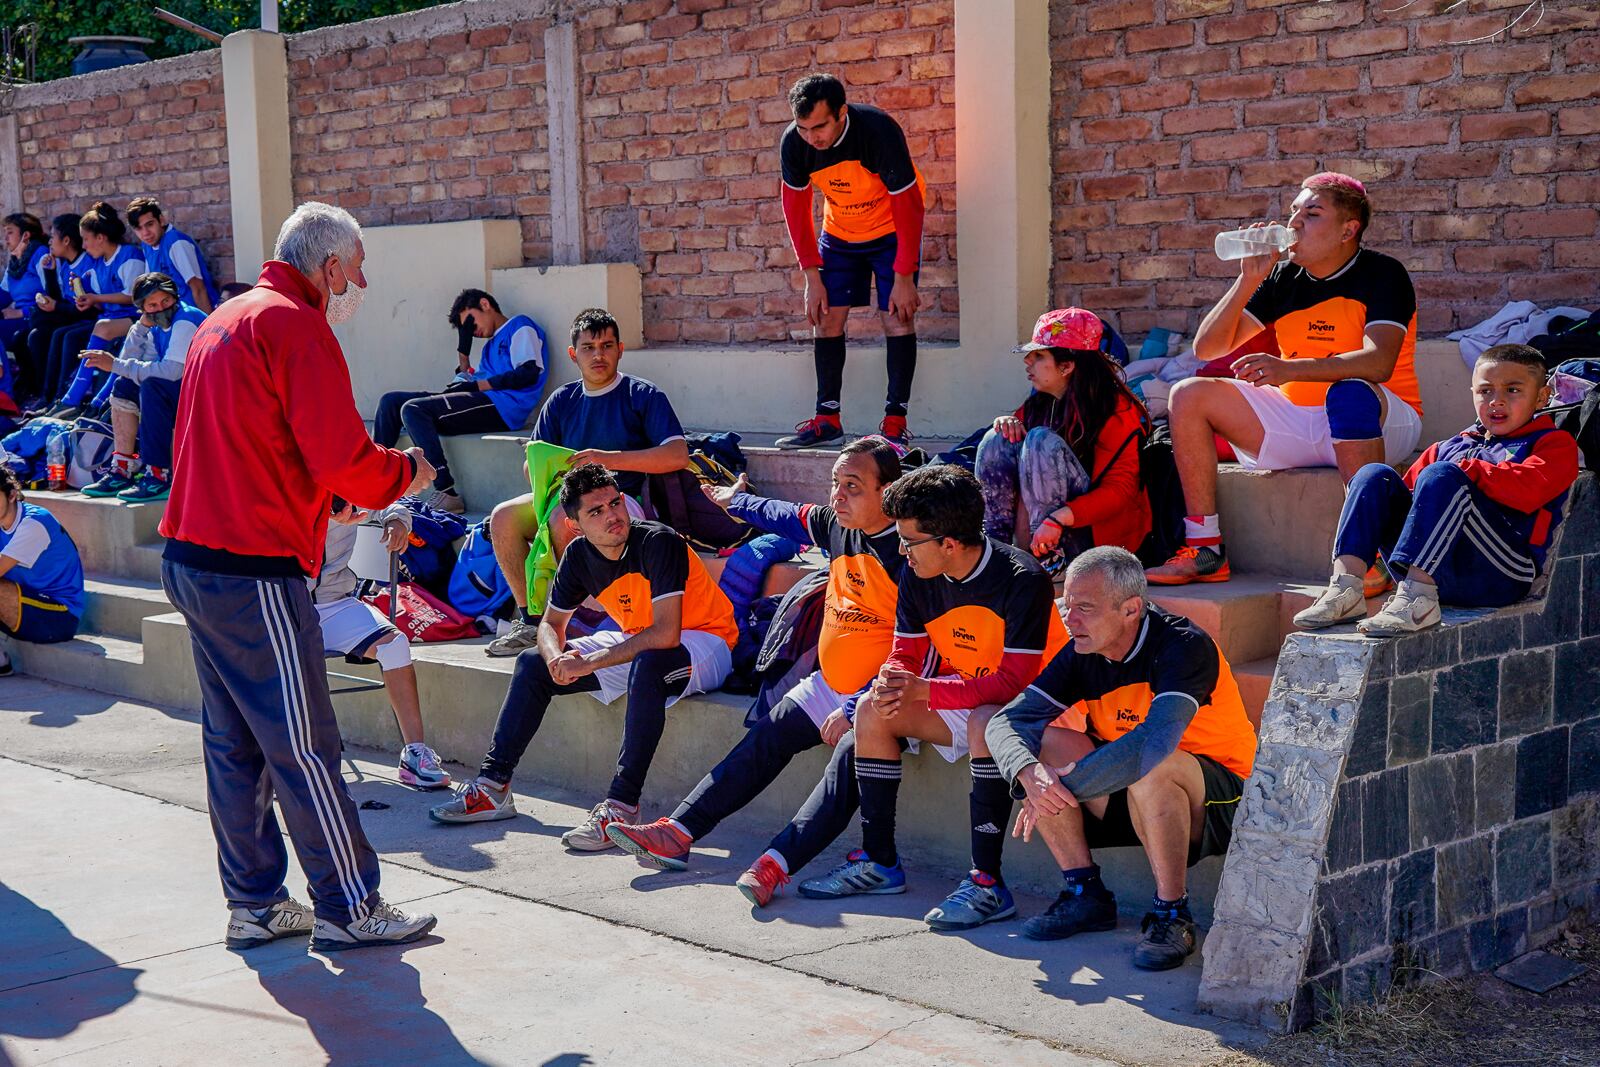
[873, 203]
[267, 434]
[1134, 734]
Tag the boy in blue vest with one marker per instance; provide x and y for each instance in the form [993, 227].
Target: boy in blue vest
[144, 393]
[499, 395]
[1471, 521]
[41, 577]
[174, 253]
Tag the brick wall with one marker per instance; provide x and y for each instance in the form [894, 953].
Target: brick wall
[683, 106]
[1174, 119]
[154, 129]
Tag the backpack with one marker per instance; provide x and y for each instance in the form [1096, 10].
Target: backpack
[430, 555]
[789, 650]
[422, 617]
[89, 449]
[1582, 421]
[676, 499]
[1158, 477]
[477, 586]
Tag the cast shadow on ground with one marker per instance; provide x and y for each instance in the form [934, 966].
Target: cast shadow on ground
[40, 1004]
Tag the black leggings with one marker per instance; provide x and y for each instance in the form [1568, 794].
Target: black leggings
[425, 416]
[827, 811]
[62, 362]
[752, 765]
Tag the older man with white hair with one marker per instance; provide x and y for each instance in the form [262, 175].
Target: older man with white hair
[267, 435]
[1133, 735]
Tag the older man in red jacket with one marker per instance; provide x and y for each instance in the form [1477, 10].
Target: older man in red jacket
[267, 434]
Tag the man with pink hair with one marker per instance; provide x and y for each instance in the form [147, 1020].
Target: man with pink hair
[1341, 390]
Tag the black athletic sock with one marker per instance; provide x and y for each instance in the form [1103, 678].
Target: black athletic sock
[828, 353]
[990, 805]
[1084, 879]
[1178, 908]
[880, 791]
[529, 617]
[902, 365]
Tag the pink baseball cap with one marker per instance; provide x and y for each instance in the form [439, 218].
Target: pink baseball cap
[1066, 328]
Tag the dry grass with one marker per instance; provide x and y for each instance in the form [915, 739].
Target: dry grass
[1476, 1021]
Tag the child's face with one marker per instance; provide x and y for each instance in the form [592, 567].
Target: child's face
[1507, 395]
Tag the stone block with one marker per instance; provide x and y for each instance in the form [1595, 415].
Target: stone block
[1521, 862]
[1583, 758]
[1465, 881]
[1496, 767]
[1385, 821]
[1575, 831]
[1380, 664]
[1324, 665]
[1465, 702]
[1368, 980]
[1428, 651]
[1349, 919]
[1290, 792]
[1444, 955]
[1316, 999]
[1577, 677]
[1591, 596]
[1442, 806]
[1525, 692]
[1563, 603]
[1248, 972]
[1315, 722]
[1541, 772]
[1496, 941]
[1410, 718]
[1344, 833]
[1369, 742]
[1412, 915]
[1493, 636]
[1270, 883]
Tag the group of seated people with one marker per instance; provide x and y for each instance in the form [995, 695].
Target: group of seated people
[1113, 721]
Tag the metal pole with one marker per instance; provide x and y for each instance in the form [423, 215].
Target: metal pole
[269, 15]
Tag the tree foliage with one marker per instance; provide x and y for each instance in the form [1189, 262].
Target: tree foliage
[60, 19]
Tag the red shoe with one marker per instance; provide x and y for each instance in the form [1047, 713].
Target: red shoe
[1377, 581]
[1206, 563]
[658, 844]
[762, 881]
[893, 429]
[817, 430]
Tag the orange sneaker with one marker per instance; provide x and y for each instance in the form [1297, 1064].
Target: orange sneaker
[1206, 563]
[658, 844]
[1378, 580]
[762, 881]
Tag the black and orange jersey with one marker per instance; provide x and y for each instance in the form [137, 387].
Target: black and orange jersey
[1319, 317]
[1107, 698]
[1004, 608]
[868, 163]
[859, 612]
[656, 563]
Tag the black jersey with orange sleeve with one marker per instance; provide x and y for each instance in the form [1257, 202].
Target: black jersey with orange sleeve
[858, 618]
[990, 629]
[655, 564]
[857, 175]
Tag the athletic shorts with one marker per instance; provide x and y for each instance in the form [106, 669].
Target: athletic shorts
[1115, 829]
[849, 269]
[710, 660]
[1298, 436]
[956, 720]
[45, 621]
[815, 697]
[350, 625]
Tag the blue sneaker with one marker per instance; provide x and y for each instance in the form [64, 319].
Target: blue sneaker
[857, 875]
[977, 900]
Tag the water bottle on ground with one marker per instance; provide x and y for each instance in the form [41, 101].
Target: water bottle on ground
[1255, 241]
[55, 461]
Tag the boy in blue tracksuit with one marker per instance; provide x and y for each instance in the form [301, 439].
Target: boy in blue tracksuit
[499, 395]
[41, 576]
[170, 251]
[1471, 521]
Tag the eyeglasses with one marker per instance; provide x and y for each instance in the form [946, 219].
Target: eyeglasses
[907, 545]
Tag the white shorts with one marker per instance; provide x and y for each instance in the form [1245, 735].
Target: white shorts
[710, 660]
[815, 697]
[1296, 435]
[350, 625]
[956, 720]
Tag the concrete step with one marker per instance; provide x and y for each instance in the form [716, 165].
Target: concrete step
[119, 606]
[107, 531]
[106, 664]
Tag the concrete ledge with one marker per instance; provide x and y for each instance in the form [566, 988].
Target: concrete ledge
[206, 63]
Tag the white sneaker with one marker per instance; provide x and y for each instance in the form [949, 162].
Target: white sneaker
[522, 635]
[1340, 602]
[591, 835]
[384, 925]
[419, 768]
[250, 927]
[1412, 607]
[477, 801]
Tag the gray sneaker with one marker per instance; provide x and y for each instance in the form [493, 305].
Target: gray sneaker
[590, 836]
[385, 924]
[1342, 601]
[252, 927]
[1412, 607]
[476, 801]
[523, 635]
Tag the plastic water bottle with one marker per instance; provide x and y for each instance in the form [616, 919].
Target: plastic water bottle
[1256, 241]
[55, 461]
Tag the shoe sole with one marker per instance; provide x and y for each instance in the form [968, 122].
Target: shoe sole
[749, 892]
[945, 925]
[881, 891]
[479, 816]
[345, 946]
[1097, 928]
[1199, 579]
[245, 944]
[504, 653]
[410, 778]
[1318, 624]
[642, 854]
[576, 845]
[1173, 965]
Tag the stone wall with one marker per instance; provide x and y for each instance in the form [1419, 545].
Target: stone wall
[1174, 119]
[153, 129]
[1421, 807]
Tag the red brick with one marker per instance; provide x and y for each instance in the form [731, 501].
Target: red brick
[1103, 131]
[1153, 154]
[1189, 64]
[1451, 32]
[1100, 242]
[1457, 164]
[1082, 216]
[1509, 192]
[1275, 173]
[912, 43]
[847, 50]
[823, 29]
[1192, 180]
[1576, 121]
[1155, 268]
[1473, 97]
[1197, 119]
[1104, 16]
[1367, 169]
[1120, 296]
[1544, 159]
[1366, 42]
[875, 22]
[1408, 134]
[1478, 259]
[1583, 52]
[1559, 88]
[1092, 105]
[1505, 127]
[1280, 51]
[1185, 235]
[1238, 87]
[1565, 222]
[1577, 189]
[1577, 254]
[1155, 97]
[1322, 80]
[1503, 58]
[1114, 72]
[1452, 227]
[1115, 187]
[1319, 18]
[1155, 38]
[1278, 112]
[1242, 27]
[1088, 46]
[1412, 70]
[1094, 273]
[1228, 147]
[1366, 105]
[1245, 206]
[1546, 286]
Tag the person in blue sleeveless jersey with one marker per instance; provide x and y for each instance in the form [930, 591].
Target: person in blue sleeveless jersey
[144, 394]
[22, 280]
[42, 365]
[41, 577]
[499, 395]
[118, 263]
[174, 253]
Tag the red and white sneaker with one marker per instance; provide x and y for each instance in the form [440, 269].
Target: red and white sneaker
[762, 881]
[477, 801]
[657, 844]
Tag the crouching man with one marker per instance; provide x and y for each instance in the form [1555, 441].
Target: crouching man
[1134, 734]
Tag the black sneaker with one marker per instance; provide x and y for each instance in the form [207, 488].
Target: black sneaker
[817, 430]
[1080, 911]
[1168, 940]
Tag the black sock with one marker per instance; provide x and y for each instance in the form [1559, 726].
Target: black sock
[990, 805]
[1084, 879]
[828, 353]
[1179, 907]
[529, 617]
[902, 365]
[880, 790]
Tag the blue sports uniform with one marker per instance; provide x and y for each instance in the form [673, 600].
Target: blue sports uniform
[178, 257]
[49, 573]
[627, 415]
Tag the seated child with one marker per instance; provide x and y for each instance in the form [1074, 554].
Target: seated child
[1470, 522]
[41, 576]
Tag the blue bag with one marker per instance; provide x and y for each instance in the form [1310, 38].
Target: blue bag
[477, 587]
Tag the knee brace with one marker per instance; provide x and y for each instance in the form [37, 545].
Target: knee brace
[393, 653]
[122, 404]
[1354, 411]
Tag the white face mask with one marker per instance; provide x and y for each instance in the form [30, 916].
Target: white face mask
[342, 307]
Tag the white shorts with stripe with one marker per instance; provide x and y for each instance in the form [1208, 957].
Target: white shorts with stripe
[710, 660]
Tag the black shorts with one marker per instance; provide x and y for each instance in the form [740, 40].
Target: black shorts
[45, 621]
[849, 269]
[1223, 790]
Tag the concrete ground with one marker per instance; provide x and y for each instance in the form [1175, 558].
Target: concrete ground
[113, 924]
